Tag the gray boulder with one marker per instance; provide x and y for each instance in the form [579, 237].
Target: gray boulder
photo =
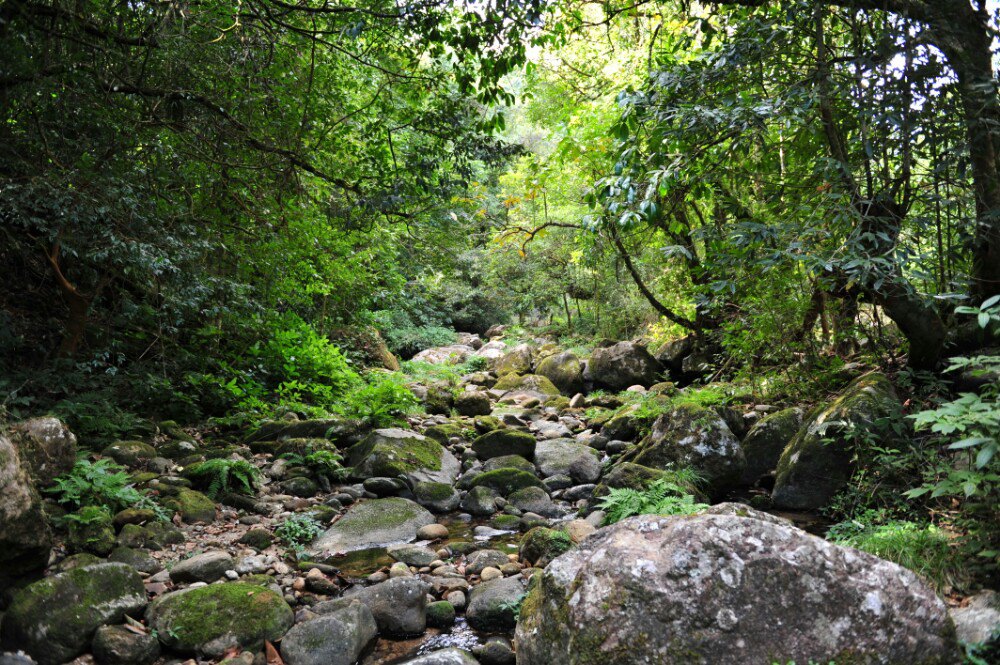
[436, 497]
[622, 365]
[569, 458]
[765, 441]
[816, 464]
[493, 605]
[46, 445]
[564, 370]
[696, 437]
[399, 605]
[727, 589]
[337, 638]
[534, 500]
[473, 403]
[504, 442]
[373, 523]
[453, 354]
[25, 538]
[54, 619]
[978, 621]
[116, 645]
[515, 361]
[205, 567]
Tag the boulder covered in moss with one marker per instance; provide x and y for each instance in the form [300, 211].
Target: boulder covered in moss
[695, 437]
[372, 523]
[473, 403]
[727, 589]
[25, 538]
[504, 442]
[541, 545]
[508, 462]
[506, 480]
[91, 530]
[54, 619]
[817, 463]
[394, 452]
[445, 431]
[622, 365]
[130, 453]
[564, 370]
[528, 385]
[46, 445]
[192, 506]
[210, 620]
[493, 605]
[516, 361]
[436, 497]
[765, 441]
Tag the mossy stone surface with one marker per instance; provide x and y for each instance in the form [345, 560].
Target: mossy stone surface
[372, 523]
[541, 545]
[441, 433]
[440, 614]
[130, 453]
[532, 383]
[207, 621]
[192, 505]
[436, 497]
[764, 443]
[91, 531]
[817, 463]
[508, 462]
[564, 370]
[394, 452]
[54, 619]
[506, 481]
[504, 442]
[25, 538]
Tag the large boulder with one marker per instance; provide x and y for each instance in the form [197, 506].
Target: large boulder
[816, 464]
[210, 620]
[399, 605]
[54, 619]
[564, 370]
[568, 458]
[764, 442]
[727, 589]
[695, 437]
[337, 638]
[526, 386]
[503, 442]
[493, 605]
[515, 361]
[453, 354]
[25, 538]
[394, 452]
[373, 523]
[46, 445]
[622, 365]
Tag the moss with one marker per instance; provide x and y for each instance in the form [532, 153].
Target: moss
[506, 481]
[249, 614]
[193, 506]
[257, 538]
[442, 433]
[508, 462]
[390, 456]
[484, 424]
[440, 614]
[434, 491]
[541, 545]
[504, 442]
[529, 382]
[505, 522]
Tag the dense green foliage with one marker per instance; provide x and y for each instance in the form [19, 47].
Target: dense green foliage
[661, 497]
[100, 484]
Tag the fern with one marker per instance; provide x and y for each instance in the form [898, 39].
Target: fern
[224, 476]
[101, 483]
[662, 497]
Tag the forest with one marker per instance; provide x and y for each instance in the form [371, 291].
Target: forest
[447, 332]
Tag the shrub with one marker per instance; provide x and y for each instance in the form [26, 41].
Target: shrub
[297, 531]
[100, 484]
[381, 400]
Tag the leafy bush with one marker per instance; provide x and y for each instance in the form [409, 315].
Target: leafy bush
[381, 400]
[222, 476]
[661, 497]
[923, 548]
[322, 463]
[297, 531]
[102, 484]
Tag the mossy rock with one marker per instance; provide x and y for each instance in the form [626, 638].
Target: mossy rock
[208, 621]
[508, 462]
[695, 437]
[257, 538]
[530, 383]
[766, 440]
[54, 619]
[91, 530]
[372, 523]
[505, 522]
[541, 545]
[484, 424]
[504, 442]
[564, 370]
[177, 450]
[191, 505]
[818, 462]
[517, 361]
[394, 452]
[134, 516]
[436, 497]
[442, 433]
[130, 453]
[440, 614]
[342, 431]
[75, 561]
[506, 481]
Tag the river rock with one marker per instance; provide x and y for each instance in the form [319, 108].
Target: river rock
[116, 645]
[727, 589]
[515, 361]
[453, 354]
[436, 497]
[337, 638]
[54, 619]
[210, 620]
[504, 442]
[46, 446]
[473, 403]
[765, 441]
[567, 457]
[399, 605]
[392, 452]
[622, 365]
[493, 605]
[373, 523]
[564, 370]
[816, 464]
[204, 567]
[130, 453]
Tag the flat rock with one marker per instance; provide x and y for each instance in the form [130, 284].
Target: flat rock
[373, 523]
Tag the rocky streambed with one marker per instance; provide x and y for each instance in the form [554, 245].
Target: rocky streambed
[471, 535]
